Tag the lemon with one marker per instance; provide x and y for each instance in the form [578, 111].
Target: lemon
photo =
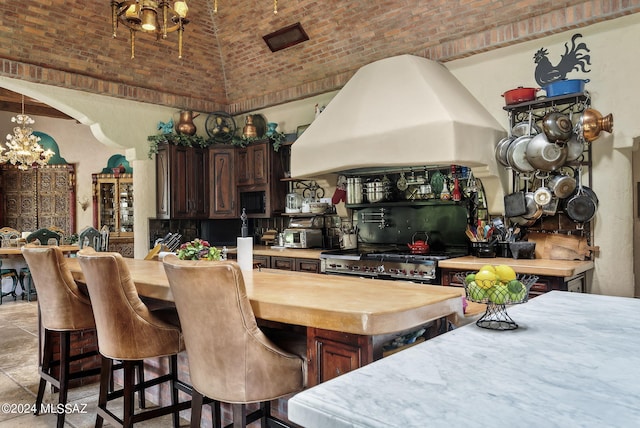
[485, 279]
[490, 268]
[506, 273]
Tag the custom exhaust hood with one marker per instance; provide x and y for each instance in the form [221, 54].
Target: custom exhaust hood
[403, 111]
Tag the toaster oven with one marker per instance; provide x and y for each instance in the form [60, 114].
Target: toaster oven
[303, 238]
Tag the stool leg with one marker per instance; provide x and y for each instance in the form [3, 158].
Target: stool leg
[129, 393]
[173, 371]
[265, 406]
[105, 375]
[216, 414]
[141, 397]
[47, 355]
[239, 416]
[196, 409]
[65, 350]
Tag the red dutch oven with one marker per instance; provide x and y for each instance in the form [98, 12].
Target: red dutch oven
[520, 95]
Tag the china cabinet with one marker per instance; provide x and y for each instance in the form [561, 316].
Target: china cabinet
[113, 199]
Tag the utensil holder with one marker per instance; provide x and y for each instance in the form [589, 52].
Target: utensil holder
[483, 249]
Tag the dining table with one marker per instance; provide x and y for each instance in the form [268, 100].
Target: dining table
[353, 312]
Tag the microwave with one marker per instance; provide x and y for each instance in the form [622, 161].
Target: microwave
[302, 238]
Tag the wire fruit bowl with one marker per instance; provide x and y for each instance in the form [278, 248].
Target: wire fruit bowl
[497, 296]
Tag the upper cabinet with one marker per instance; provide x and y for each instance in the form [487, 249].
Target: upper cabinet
[222, 176]
[182, 180]
[259, 171]
[253, 164]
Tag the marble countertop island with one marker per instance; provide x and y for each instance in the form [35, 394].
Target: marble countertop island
[573, 361]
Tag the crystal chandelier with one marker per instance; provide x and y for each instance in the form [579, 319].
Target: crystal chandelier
[23, 147]
[150, 16]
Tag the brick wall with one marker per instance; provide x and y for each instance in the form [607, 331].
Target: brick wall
[227, 66]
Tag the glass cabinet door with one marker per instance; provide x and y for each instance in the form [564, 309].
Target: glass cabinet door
[108, 204]
[125, 216]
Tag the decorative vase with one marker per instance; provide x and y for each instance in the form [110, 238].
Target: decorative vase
[271, 129]
[185, 124]
[249, 129]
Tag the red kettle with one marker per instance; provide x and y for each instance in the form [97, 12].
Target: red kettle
[419, 246]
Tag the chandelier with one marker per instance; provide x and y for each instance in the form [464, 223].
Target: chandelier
[158, 17]
[23, 147]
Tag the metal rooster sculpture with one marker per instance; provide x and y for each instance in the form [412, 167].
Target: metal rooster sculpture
[573, 59]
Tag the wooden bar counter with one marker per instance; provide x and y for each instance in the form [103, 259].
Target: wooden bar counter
[342, 315]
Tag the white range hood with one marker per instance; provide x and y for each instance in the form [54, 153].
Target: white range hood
[402, 111]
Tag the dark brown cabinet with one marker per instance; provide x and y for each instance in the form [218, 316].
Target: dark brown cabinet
[182, 180]
[259, 172]
[337, 353]
[253, 164]
[222, 172]
[283, 263]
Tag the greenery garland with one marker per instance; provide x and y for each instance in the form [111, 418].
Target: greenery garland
[276, 138]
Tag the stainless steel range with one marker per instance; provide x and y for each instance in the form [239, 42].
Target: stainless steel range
[384, 265]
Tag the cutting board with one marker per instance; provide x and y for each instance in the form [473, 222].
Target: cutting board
[557, 246]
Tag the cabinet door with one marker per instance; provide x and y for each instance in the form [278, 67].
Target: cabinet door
[222, 200]
[284, 263]
[260, 163]
[180, 165]
[243, 171]
[198, 183]
[308, 265]
[125, 213]
[332, 353]
[107, 204]
[163, 183]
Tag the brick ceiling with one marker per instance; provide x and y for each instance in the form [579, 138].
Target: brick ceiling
[226, 65]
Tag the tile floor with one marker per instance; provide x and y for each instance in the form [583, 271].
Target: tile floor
[19, 374]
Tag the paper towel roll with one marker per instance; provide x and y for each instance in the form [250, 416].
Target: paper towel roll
[245, 253]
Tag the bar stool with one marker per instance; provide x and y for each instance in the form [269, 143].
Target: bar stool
[62, 309]
[128, 331]
[235, 363]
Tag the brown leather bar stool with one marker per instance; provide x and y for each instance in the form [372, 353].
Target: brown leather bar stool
[62, 309]
[230, 359]
[128, 331]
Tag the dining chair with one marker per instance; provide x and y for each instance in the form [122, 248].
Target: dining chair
[129, 332]
[7, 234]
[63, 309]
[90, 236]
[231, 360]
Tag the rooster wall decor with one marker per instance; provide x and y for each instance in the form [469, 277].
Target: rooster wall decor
[572, 59]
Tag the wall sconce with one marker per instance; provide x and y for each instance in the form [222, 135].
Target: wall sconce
[84, 202]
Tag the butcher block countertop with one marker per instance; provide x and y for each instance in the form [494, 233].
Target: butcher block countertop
[561, 268]
[340, 303]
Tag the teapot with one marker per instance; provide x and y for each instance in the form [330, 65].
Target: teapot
[419, 246]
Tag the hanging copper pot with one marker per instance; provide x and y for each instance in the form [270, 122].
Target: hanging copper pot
[592, 123]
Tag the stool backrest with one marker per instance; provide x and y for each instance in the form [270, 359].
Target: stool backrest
[126, 328]
[230, 358]
[63, 306]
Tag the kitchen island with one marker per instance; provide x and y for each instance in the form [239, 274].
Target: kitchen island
[574, 361]
[345, 318]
